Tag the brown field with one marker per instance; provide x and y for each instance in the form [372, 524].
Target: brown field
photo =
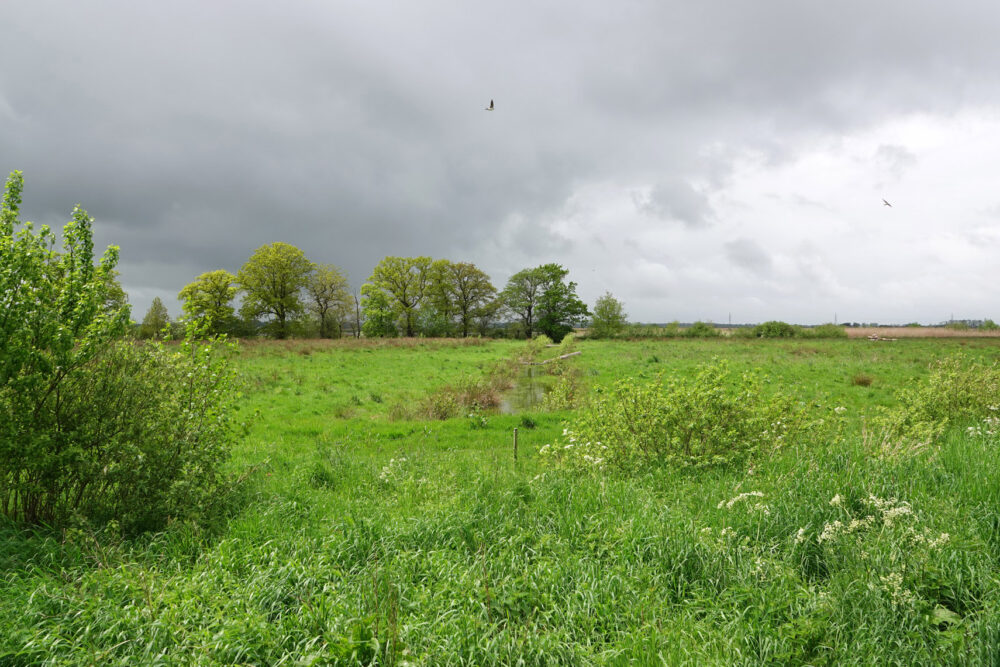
[918, 332]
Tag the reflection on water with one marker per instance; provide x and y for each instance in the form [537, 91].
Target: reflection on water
[527, 393]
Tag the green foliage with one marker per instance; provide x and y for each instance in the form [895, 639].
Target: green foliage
[957, 326]
[272, 281]
[156, 321]
[330, 299]
[379, 318]
[543, 301]
[714, 417]
[776, 329]
[208, 302]
[702, 330]
[826, 331]
[463, 293]
[956, 389]
[989, 325]
[404, 283]
[90, 426]
[609, 317]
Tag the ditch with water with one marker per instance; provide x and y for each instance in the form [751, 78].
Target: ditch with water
[527, 393]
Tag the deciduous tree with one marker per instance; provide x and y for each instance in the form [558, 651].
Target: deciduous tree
[272, 281]
[404, 281]
[469, 290]
[208, 301]
[543, 301]
[329, 299]
[609, 317]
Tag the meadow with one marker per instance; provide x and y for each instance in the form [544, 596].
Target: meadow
[371, 532]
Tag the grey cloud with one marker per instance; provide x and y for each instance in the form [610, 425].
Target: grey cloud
[195, 132]
[750, 256]
[678, 201]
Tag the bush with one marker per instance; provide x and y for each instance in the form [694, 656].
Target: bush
[93, 427]
[702, 330]
[715, 417]
[953, 391]
[776, 329]
[826, 331]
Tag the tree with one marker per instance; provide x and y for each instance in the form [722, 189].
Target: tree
[329, 299]
[469, 290]
[521, 295]
[404, 281]
[376, 311]
[609, 317]
[272, 281]
[155, 321]
[544, 301]
[207, 301]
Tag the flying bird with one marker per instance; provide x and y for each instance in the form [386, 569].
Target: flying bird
[490, 107]
[887, 203]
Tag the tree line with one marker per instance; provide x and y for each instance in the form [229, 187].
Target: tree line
[284, 294]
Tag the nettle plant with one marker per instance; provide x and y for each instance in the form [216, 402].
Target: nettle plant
[716, 416]
[92, 426]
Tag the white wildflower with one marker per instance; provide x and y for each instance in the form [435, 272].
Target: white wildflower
[837, 500]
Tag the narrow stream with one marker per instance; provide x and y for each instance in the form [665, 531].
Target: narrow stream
[527, 393]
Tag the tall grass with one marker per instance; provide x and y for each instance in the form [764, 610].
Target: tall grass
[371, 541]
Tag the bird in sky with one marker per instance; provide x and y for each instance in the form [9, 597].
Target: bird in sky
[887, 203]
[490, 107]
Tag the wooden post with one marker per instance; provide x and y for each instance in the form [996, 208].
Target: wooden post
[515, 443]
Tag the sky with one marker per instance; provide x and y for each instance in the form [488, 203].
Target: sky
[717, 161]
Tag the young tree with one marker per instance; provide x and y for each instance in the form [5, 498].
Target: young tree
[155, 321]
[272, 281]
[376, 311]
[609, 317]
[404, 281]
[329, 299]
[208, 301]
[544, 301]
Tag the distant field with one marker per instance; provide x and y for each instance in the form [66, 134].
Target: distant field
[372, 536]
[918, 332]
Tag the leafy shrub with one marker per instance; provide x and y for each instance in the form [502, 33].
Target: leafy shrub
[826, 331]
[714, 417]
[91, 426]
[776, 329]
[702, 330]
[954, 390]
[989, 325]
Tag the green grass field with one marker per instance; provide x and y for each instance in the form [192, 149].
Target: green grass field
[370, 535]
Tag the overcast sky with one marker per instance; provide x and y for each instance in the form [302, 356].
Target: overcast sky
[699, 160]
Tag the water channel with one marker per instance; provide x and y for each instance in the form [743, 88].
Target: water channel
[527, 393]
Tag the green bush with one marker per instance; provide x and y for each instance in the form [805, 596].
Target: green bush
[714, 417]
[776, 329]
[91, 426]
[826, 331]
[702, 330]
[955, 390]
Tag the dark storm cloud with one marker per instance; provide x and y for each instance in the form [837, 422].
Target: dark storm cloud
[195, 132]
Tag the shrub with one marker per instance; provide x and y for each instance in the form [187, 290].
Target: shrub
[91, 426]
[989, 325]
[776, 329]
[954, 390]
[702, 330]
[714, 417]
[827, 331]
